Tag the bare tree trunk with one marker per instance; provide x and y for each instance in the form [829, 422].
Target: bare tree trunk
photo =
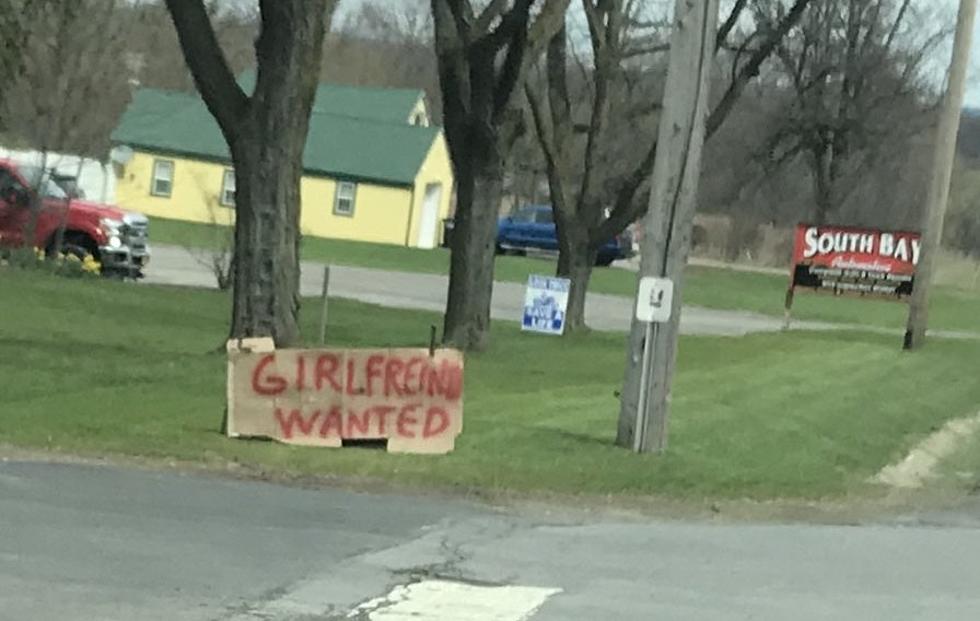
[266, 133]
[36, 203]
[467, 319]
[483, 56]
[576, 260]
[823, 185]
[59, 236]
[267, 176]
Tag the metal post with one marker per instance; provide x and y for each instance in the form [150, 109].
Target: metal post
[639, 431]
[323, 309]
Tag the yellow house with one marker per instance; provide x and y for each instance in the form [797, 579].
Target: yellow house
[375, 170]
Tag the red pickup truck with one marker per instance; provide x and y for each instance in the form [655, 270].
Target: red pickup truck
[115, 238]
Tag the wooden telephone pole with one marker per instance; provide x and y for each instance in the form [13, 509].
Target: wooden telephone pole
[668, 224]
[942, 173]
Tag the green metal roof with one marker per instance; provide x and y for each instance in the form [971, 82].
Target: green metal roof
[393, 105]
[352, 132]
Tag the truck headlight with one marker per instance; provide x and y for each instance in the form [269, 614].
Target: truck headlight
[111, 227]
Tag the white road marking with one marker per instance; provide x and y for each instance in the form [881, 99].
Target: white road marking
[441, 600]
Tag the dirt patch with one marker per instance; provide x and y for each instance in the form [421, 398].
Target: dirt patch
[920, 464]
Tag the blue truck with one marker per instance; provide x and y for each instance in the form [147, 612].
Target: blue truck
[532, 227]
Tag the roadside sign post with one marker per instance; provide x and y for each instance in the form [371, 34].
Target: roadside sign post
[669, 220]
[653, 304]
[323, 305]
[854, 262]
[545, 303]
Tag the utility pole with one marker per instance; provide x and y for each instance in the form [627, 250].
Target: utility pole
[667, 227]
[942, 173]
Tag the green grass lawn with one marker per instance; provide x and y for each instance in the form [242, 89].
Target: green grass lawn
[98, 367]
[952, 309]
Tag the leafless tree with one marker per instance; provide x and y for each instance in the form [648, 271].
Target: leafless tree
[386, 44]
[855, 72]
[266, 134]
[217, 253]
[69, 59]
[16, 19]
[593, 195]
[483, 58]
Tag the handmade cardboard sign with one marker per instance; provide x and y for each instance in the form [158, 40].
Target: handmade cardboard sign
[321, 397]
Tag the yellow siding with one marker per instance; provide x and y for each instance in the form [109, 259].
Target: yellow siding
[380, 213]
[195, 195]
[437, 168]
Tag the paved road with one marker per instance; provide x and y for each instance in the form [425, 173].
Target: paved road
[99, 543]
[177, 266]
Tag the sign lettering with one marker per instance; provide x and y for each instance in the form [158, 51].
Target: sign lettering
[854, 261]
[323, 397]
[545, 303]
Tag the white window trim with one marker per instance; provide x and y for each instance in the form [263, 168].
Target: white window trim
[157, 165]
[337, 211]
[223, 197]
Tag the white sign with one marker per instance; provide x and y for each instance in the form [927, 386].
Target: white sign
[545, 303]
[653, 302]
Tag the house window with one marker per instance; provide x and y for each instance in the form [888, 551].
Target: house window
[343, 204]
[163, 178]
[228, 189]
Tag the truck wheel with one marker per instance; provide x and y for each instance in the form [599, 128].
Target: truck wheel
[76, 245]
[604, 261]
[73, 249]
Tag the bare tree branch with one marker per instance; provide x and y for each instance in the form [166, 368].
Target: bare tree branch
[526, 45]
[626, 207]
[893, 32]
[492, 11]
[751, 68]
[728, 25]
[214, 79]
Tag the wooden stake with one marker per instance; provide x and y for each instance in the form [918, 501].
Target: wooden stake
[788, 309]
[323, 307]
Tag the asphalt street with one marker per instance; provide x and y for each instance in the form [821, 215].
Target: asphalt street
[172, 265]
[104, 544]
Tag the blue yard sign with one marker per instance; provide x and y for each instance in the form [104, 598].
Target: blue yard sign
[544, 304]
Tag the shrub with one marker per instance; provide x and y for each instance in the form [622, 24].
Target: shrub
[68, 265]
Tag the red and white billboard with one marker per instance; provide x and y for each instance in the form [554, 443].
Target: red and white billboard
[849, 260]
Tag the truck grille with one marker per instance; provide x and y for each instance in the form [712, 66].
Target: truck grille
[135, 232]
